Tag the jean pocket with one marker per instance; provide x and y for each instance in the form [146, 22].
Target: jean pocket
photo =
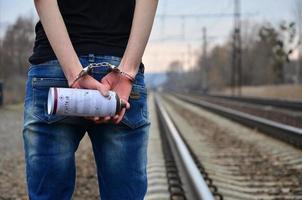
[40, 87]
[138, 114]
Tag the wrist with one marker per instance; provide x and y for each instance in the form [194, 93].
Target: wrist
[127, 77]
[129, 69]
[71, 67]
[130, 74]
[72, 75]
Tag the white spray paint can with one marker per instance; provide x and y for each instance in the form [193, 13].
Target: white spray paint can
[82, 102]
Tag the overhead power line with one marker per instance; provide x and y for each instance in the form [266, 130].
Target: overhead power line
[184, 17]
[202, 15]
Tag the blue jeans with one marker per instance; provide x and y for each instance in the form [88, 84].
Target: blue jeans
[50, 141]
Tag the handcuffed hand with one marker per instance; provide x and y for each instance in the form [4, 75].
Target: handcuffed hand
[122, 86]
[112, 81]
[88, 82]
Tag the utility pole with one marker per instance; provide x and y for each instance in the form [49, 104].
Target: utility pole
[204, 65]
[183, 28]
[236, 71]
[299, 59]
[300, 42]
[189, 56]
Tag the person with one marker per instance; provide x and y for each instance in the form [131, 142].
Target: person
[70, 35]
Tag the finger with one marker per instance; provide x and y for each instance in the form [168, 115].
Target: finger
[115, 117]
[106, 84]
[127, 105]
[103, 90]
[120, 117]
[91, 83]
[96, 118]
[88, 82]
[89, 118]
[107, 118]
[101, 120]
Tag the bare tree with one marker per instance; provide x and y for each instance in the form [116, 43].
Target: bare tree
[15, 48]
[280, 41]
[265, 52]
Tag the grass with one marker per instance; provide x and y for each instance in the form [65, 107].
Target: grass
[291, 92]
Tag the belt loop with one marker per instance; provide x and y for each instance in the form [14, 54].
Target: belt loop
[91, 58]
[142, 68]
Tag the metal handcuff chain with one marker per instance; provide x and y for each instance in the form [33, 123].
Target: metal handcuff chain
[88, 71]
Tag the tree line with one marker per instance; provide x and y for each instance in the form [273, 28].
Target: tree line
[15, 48]
[266, 51]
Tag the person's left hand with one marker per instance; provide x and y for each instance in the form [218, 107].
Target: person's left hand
[123, 89]
[122, 86]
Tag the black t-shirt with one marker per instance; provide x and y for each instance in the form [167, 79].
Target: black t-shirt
[101, 27]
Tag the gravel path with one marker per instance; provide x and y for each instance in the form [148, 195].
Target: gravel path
[12, 180]
[157, 178]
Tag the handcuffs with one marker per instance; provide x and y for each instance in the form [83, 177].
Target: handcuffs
[88, 71]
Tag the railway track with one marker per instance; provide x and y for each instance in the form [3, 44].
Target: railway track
[284, 132]
[276, 110]
[241, 162]
[234, 161]
[186, 178]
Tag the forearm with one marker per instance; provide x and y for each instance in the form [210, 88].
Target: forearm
[140, 31]
[58, 37]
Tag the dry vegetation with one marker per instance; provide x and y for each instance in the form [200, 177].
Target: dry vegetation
[292, 92]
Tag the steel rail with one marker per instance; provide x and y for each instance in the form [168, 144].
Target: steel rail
[287, 104]
[197, 185]
[286, 133]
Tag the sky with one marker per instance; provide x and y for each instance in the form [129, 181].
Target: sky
[180, 38]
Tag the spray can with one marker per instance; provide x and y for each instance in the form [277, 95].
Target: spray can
[82, 102]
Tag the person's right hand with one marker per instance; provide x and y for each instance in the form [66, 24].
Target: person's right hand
[88, 82]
